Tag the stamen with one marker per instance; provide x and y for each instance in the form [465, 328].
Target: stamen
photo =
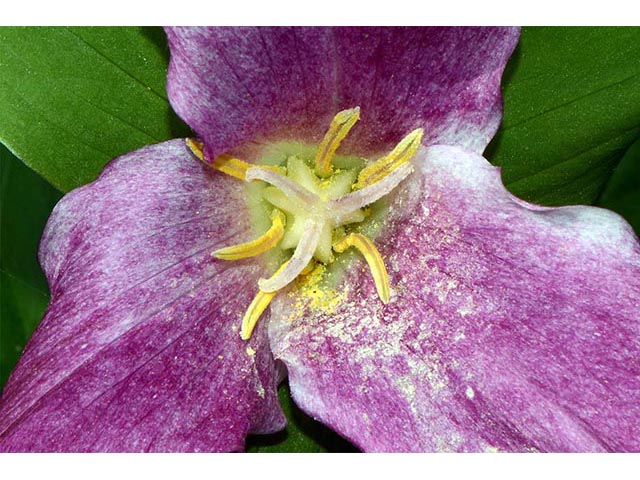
[318, 202]
[257, 307]
[298, 261]
[361, 198]
[339, 128]
[373, 258]
[260, 245]
[290, 188]
[197, 148]
[402, 153]
[225, 163]
[231, 166]
[259, 304]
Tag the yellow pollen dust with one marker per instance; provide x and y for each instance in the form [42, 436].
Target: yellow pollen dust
[323, 203]
[312, 294]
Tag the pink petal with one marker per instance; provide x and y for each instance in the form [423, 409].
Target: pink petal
[139, 349]
[512, 326]
[234, 86]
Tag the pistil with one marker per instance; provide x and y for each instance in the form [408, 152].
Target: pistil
[361, 198]
[298, 261]
[300, 195]
[321, 205]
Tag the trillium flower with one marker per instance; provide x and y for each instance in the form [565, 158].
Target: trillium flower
[341, 227]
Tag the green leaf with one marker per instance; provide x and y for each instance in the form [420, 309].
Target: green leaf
[572, 108]
[71, 99]
[26, 201]
[622, 193]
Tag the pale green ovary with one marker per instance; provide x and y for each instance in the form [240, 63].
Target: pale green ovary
[330, 188]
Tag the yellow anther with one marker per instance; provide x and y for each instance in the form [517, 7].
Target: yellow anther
[225, 163]
[259, 304]
[231, 166]
[197, 148]
[373, 258]
[402, 153]
[260, 245]
[321, 204]
[257, 307]
[339, 128]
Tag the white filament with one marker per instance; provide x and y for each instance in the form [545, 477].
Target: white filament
[298, 261]
[361, 198]
[290, 188]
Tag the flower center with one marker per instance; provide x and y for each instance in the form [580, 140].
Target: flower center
[314, 205]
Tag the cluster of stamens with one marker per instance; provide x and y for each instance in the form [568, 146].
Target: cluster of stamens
[321, 203]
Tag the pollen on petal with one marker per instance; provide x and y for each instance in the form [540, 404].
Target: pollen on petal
[310, 292]
[373, 258]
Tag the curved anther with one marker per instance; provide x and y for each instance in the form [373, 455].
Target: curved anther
[298, 261]
[259, 304]
[361, 198]
[232, 166]
[196, 147]
[401, 154]
[290, 188]
[257, 307]
[373, 258]
[339, 128]
[260, 245]
[319, 202]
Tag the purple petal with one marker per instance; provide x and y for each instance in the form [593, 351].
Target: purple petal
[240, 85]
[512, 326]
[139, 349]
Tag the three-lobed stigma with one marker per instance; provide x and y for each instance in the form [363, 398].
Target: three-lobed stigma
[313, 209]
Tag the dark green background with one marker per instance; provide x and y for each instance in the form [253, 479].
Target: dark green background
[71, 99]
